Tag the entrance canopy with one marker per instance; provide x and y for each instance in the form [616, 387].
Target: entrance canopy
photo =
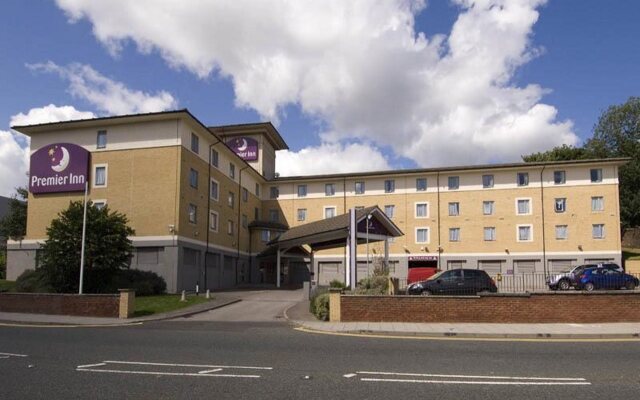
[373, 225]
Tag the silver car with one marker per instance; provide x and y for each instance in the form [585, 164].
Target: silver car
[567, 279]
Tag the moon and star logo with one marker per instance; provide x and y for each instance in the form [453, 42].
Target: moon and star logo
[241, 144]
[59, 157]
[245, 148]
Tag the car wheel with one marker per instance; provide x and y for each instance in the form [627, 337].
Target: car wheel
[630, 285]
[426, 293]
[589, 286]
[564, 285]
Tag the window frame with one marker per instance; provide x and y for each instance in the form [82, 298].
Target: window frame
[530, 202]
[216, 158]
[595, 210]
[389, 185]
[564, 205]
[393, 210]
[327, 192]
[301, 212]
[530, 239]
[525, 175]
[217, 220]
[194, 176]
[232, 171]
[245, 195]
[274, 192]
[215, 183]
[102, 133]
[195, 143]
[303, 188]
[562, 173]
[455, 178]
[272, 212]
[493, 236]
[449, 204]
[324, 211]
[603, 232]
[95, 176]
[428, 234]
[599, 174]
[230, 227]
[415, 209]
[493, 209]
[231, 199]
[193, 207]
[426, 185]
[457, 238]
[566, 231]
[362, 187]
[488, 181]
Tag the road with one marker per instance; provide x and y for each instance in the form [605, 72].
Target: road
[270, 360]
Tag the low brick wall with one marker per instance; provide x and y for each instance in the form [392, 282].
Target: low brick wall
[86, 305]
[559, 307]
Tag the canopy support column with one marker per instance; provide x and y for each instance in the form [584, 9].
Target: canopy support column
[386, 254]
[278, 267]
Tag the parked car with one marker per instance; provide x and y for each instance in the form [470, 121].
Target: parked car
[455, 282]
[605, 278]
[568, 279]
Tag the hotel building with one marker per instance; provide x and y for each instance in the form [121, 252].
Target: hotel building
[206, 205]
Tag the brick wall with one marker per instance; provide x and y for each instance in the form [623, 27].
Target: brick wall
[574, 307]
[88, 305]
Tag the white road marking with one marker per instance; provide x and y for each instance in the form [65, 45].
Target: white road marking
[186, 365]
[91, 365]
[349, 375]
[210, 371]
[113, 371]
[470, 376]
[13, 355]
[472, 382]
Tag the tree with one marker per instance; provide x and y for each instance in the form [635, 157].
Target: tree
[108, 248]
[14, 224]
[617, 134]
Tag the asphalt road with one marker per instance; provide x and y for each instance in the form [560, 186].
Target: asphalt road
[270, 360]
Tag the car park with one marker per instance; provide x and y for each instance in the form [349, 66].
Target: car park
[454, 282]
[568, 279]
[605, 278]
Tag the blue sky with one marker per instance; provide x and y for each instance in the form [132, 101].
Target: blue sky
[350, 87]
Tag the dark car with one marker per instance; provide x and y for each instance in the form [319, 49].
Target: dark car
[455, 282]
[568, 279]
[605, 278]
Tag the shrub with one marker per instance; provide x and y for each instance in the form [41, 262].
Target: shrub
[373, 285]
[145, 283]
[320, 306]
[33, 281]
[337, 284]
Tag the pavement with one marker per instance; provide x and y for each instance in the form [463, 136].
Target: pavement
[287, 305]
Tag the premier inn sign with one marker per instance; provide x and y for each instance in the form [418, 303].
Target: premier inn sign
[59, 167]
[245, 147]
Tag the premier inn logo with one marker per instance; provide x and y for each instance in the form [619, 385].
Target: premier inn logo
[60, 167]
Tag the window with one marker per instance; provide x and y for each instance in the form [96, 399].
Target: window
[274, 192]
[523, 179]
[454, 209]
[596, 175]
[231, 199]
[195, 143]
[559, 177]
[302, 190]
[422, 235]
[213, 221]
[597, 203]
[99, 204]
[232, 171]
[389, 210]
[245, 195]
[329, 212]
[389, 186]
[101, 140]
[214, 158]
[488, 207]
[421, 184]
[230, 227]
[489, 234]
[358, 208]
[274, 215]
[257, 189]
[193, 213]
[454, 234]
[523, 206]
[256, 213]
[193, 178]
[561, 232]
[265, 235]
[422, 210]
[329, 189]
[524, 233]
[100, 176]
[454, 182]
[487, 181]
[359, 187]
[302, 214]
[245, 221]
[597, 231]
[214, 191]
[560, 205]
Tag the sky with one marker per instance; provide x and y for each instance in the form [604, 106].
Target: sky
[351, 85]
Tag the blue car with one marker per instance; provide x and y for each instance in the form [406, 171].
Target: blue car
[605, 278]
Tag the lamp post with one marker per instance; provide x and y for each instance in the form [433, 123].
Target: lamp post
[367, 230]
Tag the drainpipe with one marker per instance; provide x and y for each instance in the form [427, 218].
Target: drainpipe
[439, 248]
[544, 242]
[206, 254]
[239, 213]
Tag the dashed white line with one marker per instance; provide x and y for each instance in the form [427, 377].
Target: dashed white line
[114, 371]
[13, 355]
[349, 375]
[470, 376]
[186, 365]
[529, 383]
[91, 365]
[210, 371]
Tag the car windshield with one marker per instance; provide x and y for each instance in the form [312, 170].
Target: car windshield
[436, 276]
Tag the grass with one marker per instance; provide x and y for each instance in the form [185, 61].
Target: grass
[7, 286]
[148, 305]
[630, 254]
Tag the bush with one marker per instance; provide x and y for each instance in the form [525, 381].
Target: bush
[320, 306]
[373, 285]
[145, 283]
[33, 281]
[337, 284]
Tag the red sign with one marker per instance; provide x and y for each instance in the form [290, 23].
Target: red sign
[423, 258]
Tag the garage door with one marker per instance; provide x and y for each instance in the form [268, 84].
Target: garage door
[524, 266]
[556, 266]
[330, 271]
[492, 267]
[597, 260]
[456, 264]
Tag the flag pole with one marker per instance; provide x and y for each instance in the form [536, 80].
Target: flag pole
[84, 232]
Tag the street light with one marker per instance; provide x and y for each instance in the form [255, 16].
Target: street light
[368, 219]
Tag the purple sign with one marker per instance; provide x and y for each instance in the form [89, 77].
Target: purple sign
[59, 167]
[245, 147]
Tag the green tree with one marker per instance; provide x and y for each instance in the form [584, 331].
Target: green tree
[14, 224]
[107, 247]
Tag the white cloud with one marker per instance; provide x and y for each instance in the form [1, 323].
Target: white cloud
[330, 157]
[14, 146]
[360, 67]
[106, 94]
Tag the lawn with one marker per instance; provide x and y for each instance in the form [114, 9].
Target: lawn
[7, 286]
[149, 305]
